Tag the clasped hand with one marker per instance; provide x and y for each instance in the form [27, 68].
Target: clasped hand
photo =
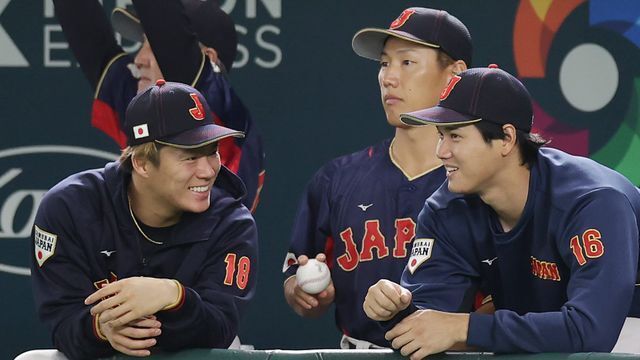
[126, 308]
[385, 299]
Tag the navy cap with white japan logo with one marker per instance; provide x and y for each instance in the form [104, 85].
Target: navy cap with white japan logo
[479, 94]
[173, 114]
[429, 27]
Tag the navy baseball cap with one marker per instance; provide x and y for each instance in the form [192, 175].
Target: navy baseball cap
[173, 114]
[213, 27]
[479, 94]
[429, 27]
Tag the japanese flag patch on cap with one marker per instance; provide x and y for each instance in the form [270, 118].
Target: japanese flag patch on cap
[45, 245]
[173, 114]
[140, 131]
[420, 252]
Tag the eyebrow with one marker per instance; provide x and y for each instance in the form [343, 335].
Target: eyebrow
[451, 127]
[401, 50]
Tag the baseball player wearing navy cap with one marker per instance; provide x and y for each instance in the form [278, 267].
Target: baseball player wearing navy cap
[552, 237]
[188, 41]
[359, 211]
[154, 251]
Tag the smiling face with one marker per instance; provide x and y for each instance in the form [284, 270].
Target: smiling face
[183, 179]
[410, 78]
[148, 68]
[472, 165]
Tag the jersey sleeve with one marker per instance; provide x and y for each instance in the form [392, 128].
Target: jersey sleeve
[599, 244]
[212, 307]
[174, 43]
[102, 61]
[89, 35]
[60, 282]
[439, 272]
[243, 156]
[115, 90]
[311, 229]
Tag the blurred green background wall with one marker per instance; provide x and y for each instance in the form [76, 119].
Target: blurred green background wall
[313, 99]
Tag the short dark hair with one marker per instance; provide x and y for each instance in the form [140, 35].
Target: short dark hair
[528, 143]
[444, 59]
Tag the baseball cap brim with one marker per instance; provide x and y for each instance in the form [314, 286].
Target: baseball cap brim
[437, 115]
[369, 42]
[200, 136]
[127, 24]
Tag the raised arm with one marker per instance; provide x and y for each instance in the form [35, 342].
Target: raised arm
[89, 34]
[172, 39]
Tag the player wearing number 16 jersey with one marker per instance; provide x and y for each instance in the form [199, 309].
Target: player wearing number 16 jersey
[359, 211]
[552, 237]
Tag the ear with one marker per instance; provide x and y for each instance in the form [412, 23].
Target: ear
[510, 139]
[140, 165]
[458, 66]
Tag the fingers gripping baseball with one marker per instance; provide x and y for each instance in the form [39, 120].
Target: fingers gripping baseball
[127, 300]
[305, 300]
[313, 276]
[313, 281]
[385, 299]
[311, 301]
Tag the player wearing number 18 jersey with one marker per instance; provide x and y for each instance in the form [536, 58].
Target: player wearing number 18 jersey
[359, 211]
[153, 252]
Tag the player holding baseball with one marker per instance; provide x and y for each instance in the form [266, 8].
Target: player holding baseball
[552, 237]
[359, 211]
[188, 41]
[156, 250]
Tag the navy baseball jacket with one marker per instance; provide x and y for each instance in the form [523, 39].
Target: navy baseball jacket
[562, 280]
[84, 236]
[107, 68]
[360, 210]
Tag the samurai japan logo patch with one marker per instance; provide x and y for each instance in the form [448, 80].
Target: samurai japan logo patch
[45, 245]
[420, 252]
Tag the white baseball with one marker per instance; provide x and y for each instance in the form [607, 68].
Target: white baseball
[313, 277]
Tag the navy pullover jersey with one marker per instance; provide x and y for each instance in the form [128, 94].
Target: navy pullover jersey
[562, 280]
[361, 211]
[109, 70]
[84, 237]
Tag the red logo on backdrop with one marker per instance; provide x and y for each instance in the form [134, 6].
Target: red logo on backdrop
[198, 111]
[452, 83]
[401, 19]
